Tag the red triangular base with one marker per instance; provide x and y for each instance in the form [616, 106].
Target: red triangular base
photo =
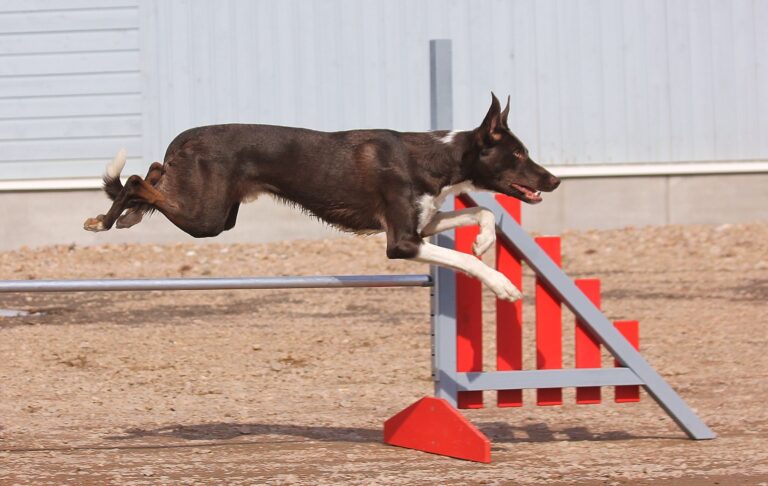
[433, 425]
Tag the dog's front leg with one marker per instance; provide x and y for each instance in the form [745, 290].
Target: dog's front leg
[496, 281]
[405, 241]
[410, 246]
[466, 217]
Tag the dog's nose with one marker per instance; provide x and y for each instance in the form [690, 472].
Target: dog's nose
[553, 182]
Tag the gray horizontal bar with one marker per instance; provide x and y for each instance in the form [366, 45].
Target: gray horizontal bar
[516, 380]
[320, 282]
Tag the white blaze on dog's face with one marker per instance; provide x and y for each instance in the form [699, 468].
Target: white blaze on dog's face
[503, 163]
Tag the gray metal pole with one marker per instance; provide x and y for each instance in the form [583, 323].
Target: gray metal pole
[444, 294]
[320, 282]
[444, 321]
[440, 84]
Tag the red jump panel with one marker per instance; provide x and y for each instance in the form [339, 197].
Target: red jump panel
[469, 317]
[549, 327]
[587, 347]
[509, 315]
[631, 331]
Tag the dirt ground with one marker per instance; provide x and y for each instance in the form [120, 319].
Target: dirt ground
[292, 387]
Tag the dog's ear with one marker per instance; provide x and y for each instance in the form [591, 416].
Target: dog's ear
[505, 115]
[492, 121]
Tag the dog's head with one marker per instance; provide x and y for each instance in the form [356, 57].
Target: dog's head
[501, 161]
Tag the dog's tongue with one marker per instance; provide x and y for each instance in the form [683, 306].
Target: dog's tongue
[531, 195]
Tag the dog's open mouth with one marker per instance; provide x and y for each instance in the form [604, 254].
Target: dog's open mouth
[529, 194]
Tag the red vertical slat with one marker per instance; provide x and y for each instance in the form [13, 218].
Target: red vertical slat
[469, 318]
[549, 326]
[509, 315]
[587, 347]
[631, 331]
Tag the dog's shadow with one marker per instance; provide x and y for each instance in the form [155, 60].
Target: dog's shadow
[497, 431]
[228, 431]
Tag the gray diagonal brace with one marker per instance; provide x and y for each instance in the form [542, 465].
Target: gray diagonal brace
[600, 326]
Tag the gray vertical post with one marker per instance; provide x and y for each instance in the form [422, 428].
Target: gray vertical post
[444, 321]
[444, 290]
[440, 84]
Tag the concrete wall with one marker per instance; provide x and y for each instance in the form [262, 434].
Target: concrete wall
[46, 218]
[615, 202]
[56, 217]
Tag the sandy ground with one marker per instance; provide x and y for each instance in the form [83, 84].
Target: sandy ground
[292, 387]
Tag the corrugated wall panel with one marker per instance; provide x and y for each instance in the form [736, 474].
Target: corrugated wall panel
[69, 84]
[58, 128]
[592, 81]
[70, 87]
[760, 10]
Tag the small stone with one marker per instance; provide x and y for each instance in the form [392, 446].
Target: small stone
[276, 366]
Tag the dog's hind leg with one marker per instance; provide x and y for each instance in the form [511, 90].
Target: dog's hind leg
[135, 191]
[466, 217]
[134, 215]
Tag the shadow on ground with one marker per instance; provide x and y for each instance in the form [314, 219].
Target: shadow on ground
[540, 432]
[496, 431]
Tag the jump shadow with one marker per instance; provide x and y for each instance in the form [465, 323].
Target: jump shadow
[227, 431]
[540, 432]
[500, 432]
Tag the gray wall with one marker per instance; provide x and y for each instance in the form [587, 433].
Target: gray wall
[70, 86]
[592, 81]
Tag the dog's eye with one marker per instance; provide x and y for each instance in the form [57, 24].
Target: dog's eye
[519, 154]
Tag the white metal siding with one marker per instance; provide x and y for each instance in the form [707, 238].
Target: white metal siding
[70, 86]
[592, 81]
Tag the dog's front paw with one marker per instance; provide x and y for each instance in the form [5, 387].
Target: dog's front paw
[503, 288]
[483, 242]
[94, 224]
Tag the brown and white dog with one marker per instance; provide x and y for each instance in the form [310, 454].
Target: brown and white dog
[364, 181]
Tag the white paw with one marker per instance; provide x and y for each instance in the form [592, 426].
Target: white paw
[483, 242]
[94, 224]
[502, 287]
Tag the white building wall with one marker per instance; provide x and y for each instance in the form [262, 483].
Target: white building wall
[70, 86]
[592, 81]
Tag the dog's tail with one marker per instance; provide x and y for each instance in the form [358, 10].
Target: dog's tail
[112, 184]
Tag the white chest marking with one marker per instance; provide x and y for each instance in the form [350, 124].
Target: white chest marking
[428, 205]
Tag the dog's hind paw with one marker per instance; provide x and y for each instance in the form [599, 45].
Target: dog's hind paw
[94, 224]
[129, 219]
[503, 288]
[483, 242]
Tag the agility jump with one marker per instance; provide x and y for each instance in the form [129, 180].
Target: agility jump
[434, 425]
